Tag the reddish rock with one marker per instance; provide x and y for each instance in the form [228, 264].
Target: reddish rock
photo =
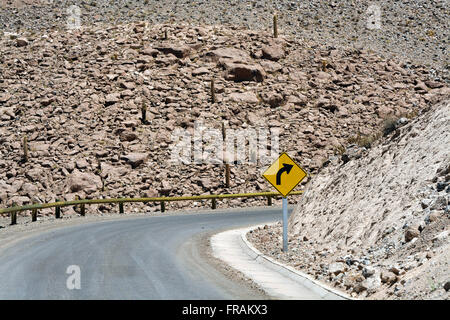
[388, 277]
[200, 71]
[128, 136]
[244, 72]
[112, 98]
[178, 50]
[232, 54]
[273, 99]
[150, 52]
[21, 42]
[411, 233]
[84, 181]
[135, 159]
[273, 52]
[246, 97]
[271, 66]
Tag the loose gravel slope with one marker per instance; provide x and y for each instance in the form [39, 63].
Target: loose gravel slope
[377, 223]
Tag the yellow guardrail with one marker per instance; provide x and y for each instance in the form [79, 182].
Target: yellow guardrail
[82, 203]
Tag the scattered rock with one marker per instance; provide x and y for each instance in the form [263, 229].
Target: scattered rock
[388, 277]
[21, 42]
[128, 136]
[441, 237]
[447, 286]
[244, 72]
[179, 51]
[81, 164]
[411, 233]
[273, 99]
[372, 283]
[84, 181]
[272, 52]
[135, 159]
[245, 97]
[112, 98]
[368, 271]
[337, 268]
[231, 54]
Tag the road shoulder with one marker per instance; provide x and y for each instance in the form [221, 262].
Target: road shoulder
[277, 280]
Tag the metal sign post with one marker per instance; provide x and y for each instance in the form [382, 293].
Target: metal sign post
[285, 225]
[284, 175]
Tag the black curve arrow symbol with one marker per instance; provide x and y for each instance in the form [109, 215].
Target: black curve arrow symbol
[286, 168]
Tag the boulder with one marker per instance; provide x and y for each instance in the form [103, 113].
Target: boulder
[245, 97]
[150, 52]
[178, 50]
[81, 163]
[273, 99]
[128, 136]
[19, 201]
[200, 71]
[271, 66]
[368, 271]
[135, 159]
[272, 52]
[40, 149]
[21, 42]
[411, 233]
[35, 174]
[447, 286]
[112, 98]
[372, 283]
[244, 72]
[336, 268]
[29, 189]
[233, 54]
[388, 277]
[151, 193]
[441, 237]
[84, 181]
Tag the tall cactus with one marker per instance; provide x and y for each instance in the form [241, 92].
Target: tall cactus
[144, 114]
[25, 149]
[213, 91]
[275, 26]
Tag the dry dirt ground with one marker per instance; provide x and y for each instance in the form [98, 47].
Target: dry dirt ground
[376, 222]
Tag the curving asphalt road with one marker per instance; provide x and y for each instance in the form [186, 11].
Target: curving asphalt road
[138, 258]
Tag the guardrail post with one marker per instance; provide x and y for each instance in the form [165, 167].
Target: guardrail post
[163, 206]
[34, 213]
[227, 165]
[57, 211]
[14, 215]
[121, 207]
[82, 210]
[269, 200]
[214, 203]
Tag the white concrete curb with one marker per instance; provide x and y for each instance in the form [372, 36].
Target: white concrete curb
[324, 291]
[277, 280]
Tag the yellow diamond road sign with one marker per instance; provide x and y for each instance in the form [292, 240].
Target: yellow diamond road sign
[284, 174]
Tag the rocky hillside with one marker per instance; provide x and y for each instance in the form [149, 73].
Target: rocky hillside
[376, 222]
[416, 30]
[77, 97]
